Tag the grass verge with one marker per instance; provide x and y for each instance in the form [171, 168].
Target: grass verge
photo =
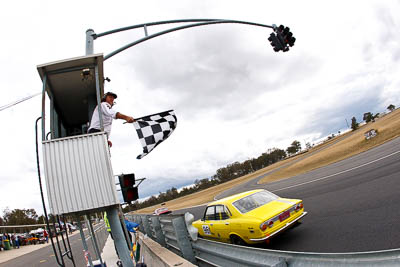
[388, 128]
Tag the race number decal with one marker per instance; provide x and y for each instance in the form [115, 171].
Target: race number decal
[206, 230]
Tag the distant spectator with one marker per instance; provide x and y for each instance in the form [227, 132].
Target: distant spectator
[46, 235]
[17, 241]
[70, 229]
[13, 241]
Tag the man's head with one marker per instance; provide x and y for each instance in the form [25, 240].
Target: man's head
[109, 97]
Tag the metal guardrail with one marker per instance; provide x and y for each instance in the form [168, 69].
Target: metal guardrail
[171, 232]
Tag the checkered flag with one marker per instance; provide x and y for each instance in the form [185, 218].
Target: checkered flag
[153, 129]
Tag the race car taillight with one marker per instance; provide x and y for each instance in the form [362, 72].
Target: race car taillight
[267, 224]
[263, 226]
[299, 206]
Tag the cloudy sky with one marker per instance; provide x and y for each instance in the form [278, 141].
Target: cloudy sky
[233, 95]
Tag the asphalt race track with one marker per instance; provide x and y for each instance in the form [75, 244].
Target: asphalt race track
[353, 204]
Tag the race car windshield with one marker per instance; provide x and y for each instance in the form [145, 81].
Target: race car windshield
[254, 201]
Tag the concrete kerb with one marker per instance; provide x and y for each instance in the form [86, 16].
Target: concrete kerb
[108, 254]
[153, 254]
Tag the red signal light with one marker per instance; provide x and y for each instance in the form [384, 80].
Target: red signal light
[129, 192]
[127, 180]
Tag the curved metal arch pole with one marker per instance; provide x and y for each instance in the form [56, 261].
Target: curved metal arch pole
[182, 28]
[91, 35]
[97, 35]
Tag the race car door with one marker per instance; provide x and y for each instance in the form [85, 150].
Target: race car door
[207, 230]
[221, 225]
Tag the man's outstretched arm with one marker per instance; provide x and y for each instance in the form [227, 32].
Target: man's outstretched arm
[124, 117]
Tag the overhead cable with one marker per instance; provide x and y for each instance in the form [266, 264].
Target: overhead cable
[18, 101]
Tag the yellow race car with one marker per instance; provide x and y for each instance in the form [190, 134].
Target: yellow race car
[249, 218]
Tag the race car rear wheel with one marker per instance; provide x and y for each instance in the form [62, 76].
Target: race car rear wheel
[236, 240]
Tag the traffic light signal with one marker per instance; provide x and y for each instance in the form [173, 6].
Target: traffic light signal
[284, 38]
[287, 36]
[275, 42]
[129, 192]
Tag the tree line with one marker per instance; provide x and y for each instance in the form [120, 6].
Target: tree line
[368, 117]
[20, 217]
[30, 217]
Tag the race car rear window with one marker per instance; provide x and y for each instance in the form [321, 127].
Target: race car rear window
[254, 201]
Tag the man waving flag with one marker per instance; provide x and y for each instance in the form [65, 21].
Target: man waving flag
[153, 129]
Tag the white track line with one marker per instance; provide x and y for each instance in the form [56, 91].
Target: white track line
[331, 175]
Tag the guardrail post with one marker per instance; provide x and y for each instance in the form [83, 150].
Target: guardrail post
[146, 225]
[159, 233]
[139, 221]
[182, 237]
